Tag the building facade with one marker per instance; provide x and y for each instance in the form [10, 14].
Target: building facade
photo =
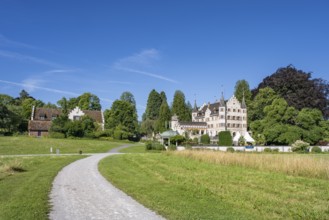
[212, 118]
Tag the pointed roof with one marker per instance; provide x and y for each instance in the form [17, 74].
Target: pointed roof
[222, 101]
[248, 138]
[195, 108]
[243, 103]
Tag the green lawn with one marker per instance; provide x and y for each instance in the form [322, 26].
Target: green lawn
[137, 148]
[183, 188]
[24, 190]
[32, 145]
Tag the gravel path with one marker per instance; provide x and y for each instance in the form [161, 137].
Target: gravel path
[81, 192]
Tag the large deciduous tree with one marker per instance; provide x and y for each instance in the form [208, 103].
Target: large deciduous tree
[298, 89]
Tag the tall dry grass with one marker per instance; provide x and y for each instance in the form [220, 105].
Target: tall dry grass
[291, 164]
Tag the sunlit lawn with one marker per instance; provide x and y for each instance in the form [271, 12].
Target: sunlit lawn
[33, 145]
[25, 183]
[180, 187]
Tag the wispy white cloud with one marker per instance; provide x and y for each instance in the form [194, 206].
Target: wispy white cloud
[32, 86]
[148, 74]
[5, 42]
[142, 59]
[27, 58]
[139, 61]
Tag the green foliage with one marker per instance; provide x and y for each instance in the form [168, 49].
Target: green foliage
[242, 89]
[60, 125]
[180, 108]
[242, 141]
[152, 145]
[230, 149]
[298, 89]
[128, 97]
[225, 138]
[88, 101]
[75, 129]
[154, 101]
[164, 118]
[300, 146]
[177, 139]
[148, 127]
[55, 134]
[122, 114]
[205, 139]
[316, 149]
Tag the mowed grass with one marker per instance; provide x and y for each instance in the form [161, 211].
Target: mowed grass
[25, 183]
[137, 148]
[180, 187]
[32, 145]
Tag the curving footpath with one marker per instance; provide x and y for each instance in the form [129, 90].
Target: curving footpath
[81, 192]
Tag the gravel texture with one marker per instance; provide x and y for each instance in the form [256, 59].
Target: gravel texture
[81, 192]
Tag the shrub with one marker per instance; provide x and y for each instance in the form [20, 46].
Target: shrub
[178, 138]
[205, 139]
[225, 138]
[300, 146]
[153, 146]
[230, 149]
[195, 140]
[117, 134]
[267, 150]
[276, 150]
[316, 149]
[172, 147]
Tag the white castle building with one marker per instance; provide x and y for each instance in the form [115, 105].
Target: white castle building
[230, 115]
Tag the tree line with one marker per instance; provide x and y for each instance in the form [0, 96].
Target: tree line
[286, 106]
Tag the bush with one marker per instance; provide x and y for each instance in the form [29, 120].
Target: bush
[230, 149]
[205, 139]
[276, 150]
[154, 146]
[195, 140]
[172, 147]
[117, 134]
[267, 150]
[225, 138]
[178, 138]
[300, 146]
[316, 149]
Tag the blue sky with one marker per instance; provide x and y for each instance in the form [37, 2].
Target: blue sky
[65, 48]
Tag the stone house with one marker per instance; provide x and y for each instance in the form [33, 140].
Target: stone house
[41, 119]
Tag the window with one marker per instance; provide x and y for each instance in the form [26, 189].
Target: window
[228, 109]
[228, 117]
[238, 125]
[238, 110]
[221, 109]
[222, 116]
[76, 118]
[234, 110]
[233, 118]
[228, 125]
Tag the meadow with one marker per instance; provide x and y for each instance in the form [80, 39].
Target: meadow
[25, 183]
[32, 145]
[213, 185]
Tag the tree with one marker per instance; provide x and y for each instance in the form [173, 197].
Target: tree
[242, 90]
[9, 121]
[128, 97]
[27, 105]
[298, 89]
[164, 117]
[152, 108]
[6, 99]
[264, 98]
[122, 113]
[88, 101]
[24, 95]
[180, 108]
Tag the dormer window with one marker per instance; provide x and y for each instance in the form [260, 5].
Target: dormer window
[42, 116]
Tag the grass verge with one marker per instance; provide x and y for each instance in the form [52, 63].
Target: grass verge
[184, 188]
[25, 183]
[32, 145]
[137, 148]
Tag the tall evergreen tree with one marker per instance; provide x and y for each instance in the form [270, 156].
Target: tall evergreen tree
[153, 103]
[88, 101]
[128, 97]
[162, 123]
[180, 107]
